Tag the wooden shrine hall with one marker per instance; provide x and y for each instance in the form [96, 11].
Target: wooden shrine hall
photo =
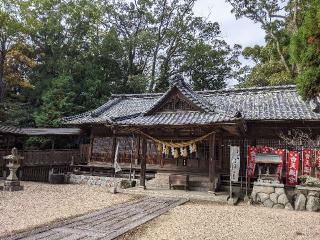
[187, 132]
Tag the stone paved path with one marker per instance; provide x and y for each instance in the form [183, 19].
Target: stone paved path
[107, 223]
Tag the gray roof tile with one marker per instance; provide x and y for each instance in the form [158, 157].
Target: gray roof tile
[263, 103]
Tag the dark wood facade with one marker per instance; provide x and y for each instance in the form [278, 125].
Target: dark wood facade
[212, 158]
[239, 117]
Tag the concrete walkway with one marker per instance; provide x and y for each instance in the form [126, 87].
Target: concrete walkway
[107, 223]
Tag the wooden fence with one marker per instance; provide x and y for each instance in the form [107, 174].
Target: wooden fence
[45, 157]
[37, 163]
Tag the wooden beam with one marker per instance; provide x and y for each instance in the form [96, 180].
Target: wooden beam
[143, 163]
[212, 163]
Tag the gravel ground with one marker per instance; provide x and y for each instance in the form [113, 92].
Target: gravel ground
[203, 220]
[40, 204]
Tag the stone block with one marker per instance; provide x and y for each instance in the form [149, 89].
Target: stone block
[278, 206]
[300, 203]
[313, 193]
[279, 191]
[254, 196]
[233, 201]
[274, 197]
[313, 204]
[288, 206]
[12, 186]
[261, 197]
[283, 199]
[268, 203]
[263, 189]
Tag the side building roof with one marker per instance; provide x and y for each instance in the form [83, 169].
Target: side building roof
[10, 130]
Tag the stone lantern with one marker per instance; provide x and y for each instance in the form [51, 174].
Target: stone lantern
[12, 182]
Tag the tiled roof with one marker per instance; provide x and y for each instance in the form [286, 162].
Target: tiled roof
[177, 118]
[263, 103]
[39, 131]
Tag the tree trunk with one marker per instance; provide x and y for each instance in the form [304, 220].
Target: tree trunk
[282, 58]
[2, 82]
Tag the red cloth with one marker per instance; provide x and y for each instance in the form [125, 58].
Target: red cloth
[307, 161]
[252, 151]
[282, 154]
[292, 168]
[317, 154]
[265, 150]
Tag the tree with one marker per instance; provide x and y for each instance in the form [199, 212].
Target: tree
[268, 70]
[305, 52]
[280, 20]
[157, 36]
[85, 50]
[57, 101]
[16, 56]
[208, 67]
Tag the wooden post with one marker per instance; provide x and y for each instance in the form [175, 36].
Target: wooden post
[143, 164]
[91, 146]
[114, 146]
[212, 163]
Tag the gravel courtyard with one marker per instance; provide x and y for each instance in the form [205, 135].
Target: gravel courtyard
[201, 220]
[40, 204]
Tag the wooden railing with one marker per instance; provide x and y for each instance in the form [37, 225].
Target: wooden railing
[45, 157]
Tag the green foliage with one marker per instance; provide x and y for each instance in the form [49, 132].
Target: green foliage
[38, 143]
[57, 102]
[305, 52]
[280, 20]
[268, 74]
[85, 50]
[208, 67]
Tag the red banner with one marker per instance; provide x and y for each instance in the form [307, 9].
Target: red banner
[292, 168]
[317, 166]
[306, 162]
[251, 161]
[264, 150]
[281, 153]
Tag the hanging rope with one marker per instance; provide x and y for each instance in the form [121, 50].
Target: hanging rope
[171, 144]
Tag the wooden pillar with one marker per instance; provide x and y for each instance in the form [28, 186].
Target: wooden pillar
[212, 163]
[143, 161]
[91, 147]
[114, 148]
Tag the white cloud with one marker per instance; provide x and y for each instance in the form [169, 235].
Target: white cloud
[241, 31]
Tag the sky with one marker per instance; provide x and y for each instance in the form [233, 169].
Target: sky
[242, 31]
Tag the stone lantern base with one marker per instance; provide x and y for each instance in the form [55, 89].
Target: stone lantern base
[12, 186]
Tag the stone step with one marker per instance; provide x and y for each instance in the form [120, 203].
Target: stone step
[199, 189]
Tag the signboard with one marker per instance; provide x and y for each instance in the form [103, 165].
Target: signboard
[234, 163]
[116, 165]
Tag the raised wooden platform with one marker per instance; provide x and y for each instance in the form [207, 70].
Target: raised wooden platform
[108, 223]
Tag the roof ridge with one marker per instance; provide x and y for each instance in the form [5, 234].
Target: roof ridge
[98, 111]
[243, 89]
[252, 89]
[125, 95]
